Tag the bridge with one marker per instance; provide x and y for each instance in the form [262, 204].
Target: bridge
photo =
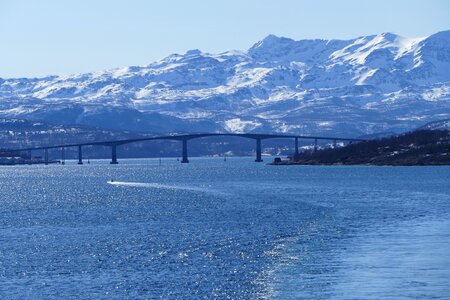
[184, 138]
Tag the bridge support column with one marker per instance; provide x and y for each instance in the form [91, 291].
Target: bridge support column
[296, 146]
[185, 159]
[315, 145]
[63, 156]
[80, 155]
[46, 156]
[258, 151]
[114, 155]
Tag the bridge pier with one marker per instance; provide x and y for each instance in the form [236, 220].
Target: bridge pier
[63, 156]
[114, 155]
[258, 150]
[315, 145]
[296, 146]
[185, 159]
[46, 156]
[334, 144]
[80, 155]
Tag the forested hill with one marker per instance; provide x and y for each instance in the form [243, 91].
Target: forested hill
[422, 147]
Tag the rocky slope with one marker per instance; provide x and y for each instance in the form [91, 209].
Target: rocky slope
[370, 84]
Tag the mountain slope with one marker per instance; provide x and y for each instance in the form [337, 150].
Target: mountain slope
[352, 87]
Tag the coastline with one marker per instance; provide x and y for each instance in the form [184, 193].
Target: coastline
[287, 163]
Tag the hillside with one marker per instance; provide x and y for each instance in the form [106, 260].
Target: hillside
[366, 85]
[437, 125]
[422, 147]
[17, 133]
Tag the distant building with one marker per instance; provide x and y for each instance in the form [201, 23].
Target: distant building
[14, 157]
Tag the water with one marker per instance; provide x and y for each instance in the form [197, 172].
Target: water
[215, 229]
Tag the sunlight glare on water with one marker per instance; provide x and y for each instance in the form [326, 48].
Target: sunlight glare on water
[215, 229]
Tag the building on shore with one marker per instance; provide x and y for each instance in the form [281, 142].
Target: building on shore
[10, 157]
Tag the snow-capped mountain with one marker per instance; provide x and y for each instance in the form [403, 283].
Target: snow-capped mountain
[352, 87]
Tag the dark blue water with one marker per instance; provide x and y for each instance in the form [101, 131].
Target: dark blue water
[214, 229]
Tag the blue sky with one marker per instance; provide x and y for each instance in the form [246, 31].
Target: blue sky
[45, 37]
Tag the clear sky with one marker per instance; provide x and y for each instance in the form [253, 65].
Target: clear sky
[59, 37]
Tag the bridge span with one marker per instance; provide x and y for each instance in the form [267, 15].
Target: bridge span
[184, 138]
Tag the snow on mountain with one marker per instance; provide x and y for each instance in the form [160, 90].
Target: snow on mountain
[352, 87]
[437, 125]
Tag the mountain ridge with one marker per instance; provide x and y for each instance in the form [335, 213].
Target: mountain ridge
[355, 87]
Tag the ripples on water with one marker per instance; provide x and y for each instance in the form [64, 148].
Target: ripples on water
[214, 229]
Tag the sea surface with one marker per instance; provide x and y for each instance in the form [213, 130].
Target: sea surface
[212, 229]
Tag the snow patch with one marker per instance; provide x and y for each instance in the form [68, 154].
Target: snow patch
[240, 126]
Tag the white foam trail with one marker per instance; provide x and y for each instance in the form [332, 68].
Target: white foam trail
[160, 186]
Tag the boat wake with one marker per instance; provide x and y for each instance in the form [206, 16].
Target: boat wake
[155, 185]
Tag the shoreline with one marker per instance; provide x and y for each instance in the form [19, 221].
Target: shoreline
[288, 163]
